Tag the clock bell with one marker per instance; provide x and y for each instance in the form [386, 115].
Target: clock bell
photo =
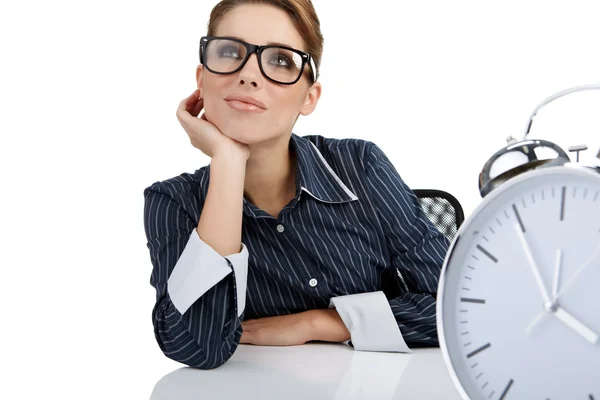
[527, 154]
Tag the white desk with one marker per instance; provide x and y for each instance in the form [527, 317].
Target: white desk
[314, 371]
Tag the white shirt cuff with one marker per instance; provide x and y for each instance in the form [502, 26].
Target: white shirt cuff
[199, 268]
[371, 322]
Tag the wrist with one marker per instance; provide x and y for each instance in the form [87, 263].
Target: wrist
[327, 325]
[229, 155]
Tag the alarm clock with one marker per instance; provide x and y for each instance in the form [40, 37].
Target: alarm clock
[518, 311]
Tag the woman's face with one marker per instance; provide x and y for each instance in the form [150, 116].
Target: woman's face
[257, 24]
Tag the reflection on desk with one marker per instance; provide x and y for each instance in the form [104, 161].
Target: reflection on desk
[314, 371]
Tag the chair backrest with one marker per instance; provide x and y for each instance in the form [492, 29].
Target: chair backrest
[442, 209]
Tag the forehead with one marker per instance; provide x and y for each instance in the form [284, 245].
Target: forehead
[260, 24]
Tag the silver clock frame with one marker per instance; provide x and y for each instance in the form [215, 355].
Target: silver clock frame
[578, 168]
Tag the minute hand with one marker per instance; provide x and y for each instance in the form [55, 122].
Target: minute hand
[533, 266]
[579, 270]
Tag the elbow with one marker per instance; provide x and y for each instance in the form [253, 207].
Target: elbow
[423, 336]
[199, 355]
[215, 361]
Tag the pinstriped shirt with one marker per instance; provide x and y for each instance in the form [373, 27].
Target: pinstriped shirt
[354, 237]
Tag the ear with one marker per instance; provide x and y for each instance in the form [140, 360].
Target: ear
[199, 76]
[311, 100]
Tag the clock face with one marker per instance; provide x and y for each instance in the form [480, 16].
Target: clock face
[519, 316]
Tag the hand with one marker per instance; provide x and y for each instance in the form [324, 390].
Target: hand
[556, 280]
[534, 268]
[560, 312]
[579, 270]
[575, 325]
[284, 330]
[295, 329]
[557, 266]
[204, 135]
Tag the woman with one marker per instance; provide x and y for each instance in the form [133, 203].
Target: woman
[282, 239]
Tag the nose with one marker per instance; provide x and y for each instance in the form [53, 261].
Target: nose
[250, 73]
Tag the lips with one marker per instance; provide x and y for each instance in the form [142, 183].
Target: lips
[245, 102]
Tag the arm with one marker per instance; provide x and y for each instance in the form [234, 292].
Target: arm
[417, 250]
[199, 303]
[295, 329]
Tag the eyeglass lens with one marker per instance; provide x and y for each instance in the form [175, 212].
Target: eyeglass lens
[224, 56]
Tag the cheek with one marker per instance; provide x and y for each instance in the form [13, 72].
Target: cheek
[286, 105]
[211, 94]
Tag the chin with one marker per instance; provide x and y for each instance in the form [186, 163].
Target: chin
[245, 132]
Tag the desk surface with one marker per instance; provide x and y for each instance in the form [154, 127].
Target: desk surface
[314, 371]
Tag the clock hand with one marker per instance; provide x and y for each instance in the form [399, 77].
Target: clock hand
[535, 321]
[579, 270]
[557, 265]
[554, 290]
[534, 268]
[575, 325]
[570, 322]
[556, 274]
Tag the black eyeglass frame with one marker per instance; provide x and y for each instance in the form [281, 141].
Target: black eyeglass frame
[256, 49]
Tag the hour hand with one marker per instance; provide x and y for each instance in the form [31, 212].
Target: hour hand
[575, 325]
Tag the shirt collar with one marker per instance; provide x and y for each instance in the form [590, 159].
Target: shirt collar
[315, 176]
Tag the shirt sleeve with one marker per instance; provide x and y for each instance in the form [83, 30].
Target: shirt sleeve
[199, 268]
[199, 294]
[417, 250]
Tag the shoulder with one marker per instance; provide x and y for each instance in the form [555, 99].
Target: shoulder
[186, 189]
[182, 183]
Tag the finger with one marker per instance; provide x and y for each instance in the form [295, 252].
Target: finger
[196, 107]
[195, 95]
[191, 99]
[245, 338]
[187, 116]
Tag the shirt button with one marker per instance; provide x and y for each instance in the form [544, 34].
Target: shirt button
[280, 228]
[313, 282]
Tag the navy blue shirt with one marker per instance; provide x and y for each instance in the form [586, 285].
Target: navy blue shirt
[353, 227]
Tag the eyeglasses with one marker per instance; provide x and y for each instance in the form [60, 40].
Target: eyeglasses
[280, 64]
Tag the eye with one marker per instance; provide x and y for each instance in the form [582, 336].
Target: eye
[229, 51]
[280, 60]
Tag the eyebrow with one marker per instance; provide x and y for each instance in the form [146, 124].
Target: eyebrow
[268, 43]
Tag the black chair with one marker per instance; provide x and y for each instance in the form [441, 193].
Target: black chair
[442, 209]
[447, 215]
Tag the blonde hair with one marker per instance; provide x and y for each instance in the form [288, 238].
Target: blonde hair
[303, 16]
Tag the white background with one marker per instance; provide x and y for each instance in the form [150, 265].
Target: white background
[88, 93]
